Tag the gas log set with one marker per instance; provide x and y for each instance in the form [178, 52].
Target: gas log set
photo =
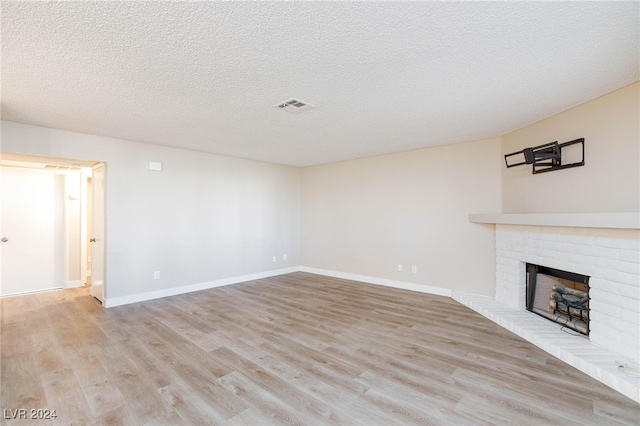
[569, 301]
[559, 296]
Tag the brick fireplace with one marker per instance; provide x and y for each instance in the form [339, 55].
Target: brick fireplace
[604, 247]
[609, 256]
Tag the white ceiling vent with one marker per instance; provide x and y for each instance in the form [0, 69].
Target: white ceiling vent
[294, 106]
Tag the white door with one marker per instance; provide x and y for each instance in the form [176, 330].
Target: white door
[31, 251]
[97, 239]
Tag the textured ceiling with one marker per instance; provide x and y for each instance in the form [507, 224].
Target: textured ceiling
[384, 77]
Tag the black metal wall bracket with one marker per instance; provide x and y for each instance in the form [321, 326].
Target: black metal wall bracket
[544, 158]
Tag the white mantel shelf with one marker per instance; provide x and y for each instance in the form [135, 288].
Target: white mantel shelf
[573, 220]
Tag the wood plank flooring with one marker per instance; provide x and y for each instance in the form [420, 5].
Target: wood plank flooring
[293, 349]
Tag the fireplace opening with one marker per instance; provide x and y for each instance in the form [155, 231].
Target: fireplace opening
[560, 296]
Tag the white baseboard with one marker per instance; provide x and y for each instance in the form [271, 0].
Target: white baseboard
[174, 291]
[73, 284]
[440, 291]
[30, 292]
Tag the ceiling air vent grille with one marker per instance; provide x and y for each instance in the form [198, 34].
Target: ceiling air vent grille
[294, 106]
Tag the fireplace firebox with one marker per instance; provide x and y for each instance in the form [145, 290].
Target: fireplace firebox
[560, 296]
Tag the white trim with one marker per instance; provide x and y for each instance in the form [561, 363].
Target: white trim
[66, 218]
[174, 291]
[22, 293]
[630, 220]
[73, 284]
[439, 291]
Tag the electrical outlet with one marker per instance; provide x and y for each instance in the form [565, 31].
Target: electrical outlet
[414, 269]
[399, 268]
[275, 258]
[284, 257]
[156, 275]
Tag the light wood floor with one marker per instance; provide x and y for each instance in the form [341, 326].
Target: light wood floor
[294, 349]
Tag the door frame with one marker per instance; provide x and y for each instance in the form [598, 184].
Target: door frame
[103, 241]
[38, 161]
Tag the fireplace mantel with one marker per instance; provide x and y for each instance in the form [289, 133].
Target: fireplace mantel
[573, 220]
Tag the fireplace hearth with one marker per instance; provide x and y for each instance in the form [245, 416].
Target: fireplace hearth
[559, 296]
[603, 246]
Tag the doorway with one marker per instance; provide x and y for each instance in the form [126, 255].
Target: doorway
[45, 227]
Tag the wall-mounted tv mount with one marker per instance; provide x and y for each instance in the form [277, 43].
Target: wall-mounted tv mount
[544, 158]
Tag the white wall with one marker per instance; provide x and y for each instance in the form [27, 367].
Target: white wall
[72, 199]
[610, 179]
[203, 218]
[366, 216]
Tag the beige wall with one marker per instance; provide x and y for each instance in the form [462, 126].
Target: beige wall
[203, 218]
[610, 179]
[208, 217]
[367, 216]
